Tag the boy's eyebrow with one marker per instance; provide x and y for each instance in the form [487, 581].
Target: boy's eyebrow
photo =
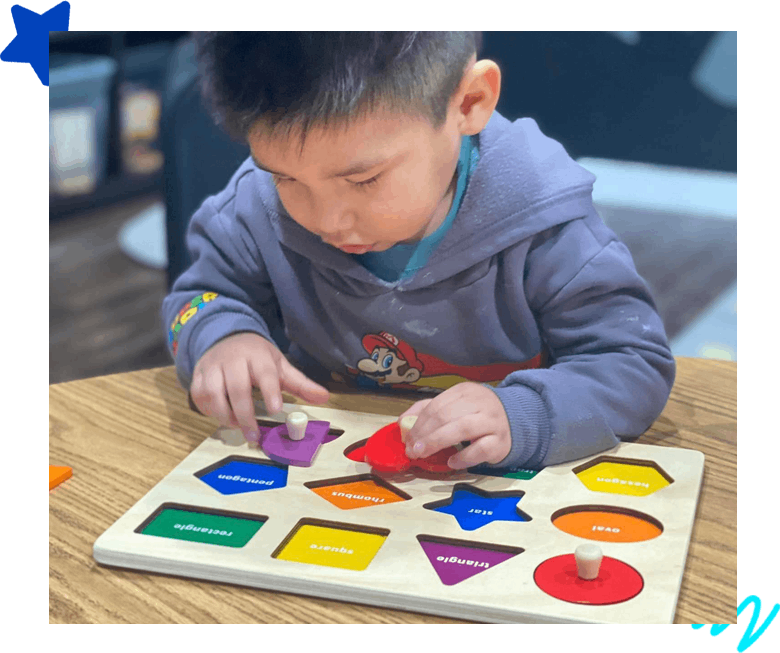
[356, 169]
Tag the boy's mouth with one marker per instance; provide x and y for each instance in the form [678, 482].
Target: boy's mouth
[355, 249]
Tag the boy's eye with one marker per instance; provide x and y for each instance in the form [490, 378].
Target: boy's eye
[367, 182]
[360, 184]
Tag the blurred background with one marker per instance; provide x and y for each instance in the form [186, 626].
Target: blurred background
[132, 154]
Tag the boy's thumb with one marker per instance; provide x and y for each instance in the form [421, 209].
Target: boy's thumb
[416, 408]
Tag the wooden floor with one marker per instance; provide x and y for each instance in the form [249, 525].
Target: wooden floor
[104, 309]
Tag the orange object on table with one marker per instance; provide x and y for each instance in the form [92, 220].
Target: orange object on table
[58, 474]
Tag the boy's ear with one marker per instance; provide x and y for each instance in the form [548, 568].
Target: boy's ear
[477, 96]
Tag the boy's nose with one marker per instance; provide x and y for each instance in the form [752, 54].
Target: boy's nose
[341, 234]
[335, 223]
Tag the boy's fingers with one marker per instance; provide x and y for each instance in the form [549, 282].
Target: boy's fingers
[239, 391]
[212, 399]
[416, 408]
[412, 436]
[193, 405]
[421, 444]
[196, 393]
[265, 376]
[297, 383]
[482, 450]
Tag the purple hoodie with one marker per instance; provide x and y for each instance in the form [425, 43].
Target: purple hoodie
[527, 276]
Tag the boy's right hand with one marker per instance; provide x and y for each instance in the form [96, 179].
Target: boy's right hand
[224, 377]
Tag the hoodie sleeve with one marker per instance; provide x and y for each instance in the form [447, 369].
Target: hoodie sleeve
[226, 290]
[611, 367]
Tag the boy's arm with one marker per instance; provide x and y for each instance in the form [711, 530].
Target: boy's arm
[225, 291]
[612, 370]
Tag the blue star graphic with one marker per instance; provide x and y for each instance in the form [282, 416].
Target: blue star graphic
[31, 44]
[473, 508]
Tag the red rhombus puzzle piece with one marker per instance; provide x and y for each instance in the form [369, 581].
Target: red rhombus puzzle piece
[386, 452]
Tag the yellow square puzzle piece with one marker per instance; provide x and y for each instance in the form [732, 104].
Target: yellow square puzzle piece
[333, 545]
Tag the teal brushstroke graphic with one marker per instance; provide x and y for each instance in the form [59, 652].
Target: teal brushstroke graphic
[751, 635]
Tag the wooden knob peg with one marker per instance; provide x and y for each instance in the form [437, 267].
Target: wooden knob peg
[588, 558]
[296, 425]
[406, 424]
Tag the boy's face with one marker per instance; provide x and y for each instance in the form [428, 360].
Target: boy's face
[382, 180]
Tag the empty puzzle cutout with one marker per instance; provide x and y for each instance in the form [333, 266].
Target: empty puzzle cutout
[520, 474]
[203, 525]
[239, 474]
[629, 476]
[332, 544]
[456, 560]
[474, 508]
[607, 523]
[360, 491]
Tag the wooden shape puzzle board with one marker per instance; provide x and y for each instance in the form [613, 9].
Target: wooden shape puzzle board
[335, 529]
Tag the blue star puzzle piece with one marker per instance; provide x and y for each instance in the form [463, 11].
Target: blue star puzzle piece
[31, 44]
[474, 508]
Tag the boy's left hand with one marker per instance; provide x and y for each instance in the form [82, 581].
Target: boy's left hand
[465, 412]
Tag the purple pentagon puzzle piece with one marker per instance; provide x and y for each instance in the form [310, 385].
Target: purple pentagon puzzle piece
[279, 447]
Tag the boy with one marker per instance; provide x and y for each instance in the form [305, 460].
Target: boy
[394, 231]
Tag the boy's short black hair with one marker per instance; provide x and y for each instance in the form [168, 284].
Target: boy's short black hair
[296, 80]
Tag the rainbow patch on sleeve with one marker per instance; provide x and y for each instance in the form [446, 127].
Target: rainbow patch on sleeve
[185, 315]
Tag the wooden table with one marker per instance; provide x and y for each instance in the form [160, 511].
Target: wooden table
[122, 434]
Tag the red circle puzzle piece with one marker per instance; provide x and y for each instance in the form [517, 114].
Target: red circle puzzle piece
[616, 582]
[386, 452]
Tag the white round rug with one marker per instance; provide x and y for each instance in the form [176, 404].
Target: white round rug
[143, 237]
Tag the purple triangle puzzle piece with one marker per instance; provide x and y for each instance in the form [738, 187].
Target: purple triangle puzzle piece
[454, 564]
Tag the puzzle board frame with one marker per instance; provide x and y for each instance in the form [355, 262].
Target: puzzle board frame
[400, 575]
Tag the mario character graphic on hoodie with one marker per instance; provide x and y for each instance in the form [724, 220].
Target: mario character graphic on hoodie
[393, 363]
